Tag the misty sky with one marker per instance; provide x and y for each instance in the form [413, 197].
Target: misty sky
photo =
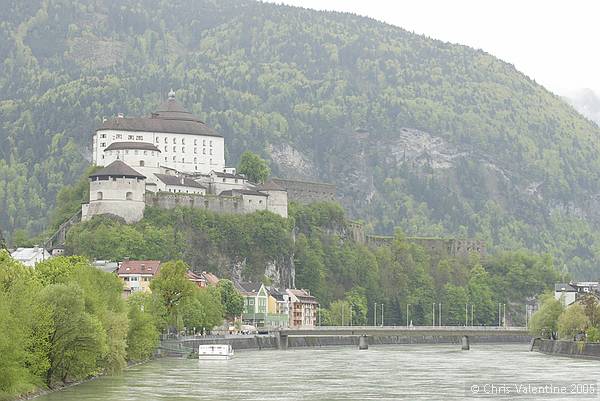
[554, 42]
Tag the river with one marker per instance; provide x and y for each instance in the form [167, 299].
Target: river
[396, 372]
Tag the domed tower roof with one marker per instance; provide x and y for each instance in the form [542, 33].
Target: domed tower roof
[173, 110]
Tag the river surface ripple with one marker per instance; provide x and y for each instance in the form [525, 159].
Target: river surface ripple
[395, 372]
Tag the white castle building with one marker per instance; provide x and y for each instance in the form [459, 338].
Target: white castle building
[169, 159]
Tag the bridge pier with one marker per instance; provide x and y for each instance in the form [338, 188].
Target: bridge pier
[363, 342]
[282, 341]
[465, 346]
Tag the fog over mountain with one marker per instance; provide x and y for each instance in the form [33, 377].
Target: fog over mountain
[587, 102]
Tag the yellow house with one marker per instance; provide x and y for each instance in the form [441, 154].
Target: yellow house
[137, 274]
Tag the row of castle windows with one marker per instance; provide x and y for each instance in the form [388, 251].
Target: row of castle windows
[183, 150]
[210, 143]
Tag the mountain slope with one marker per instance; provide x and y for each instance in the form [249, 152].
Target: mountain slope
[435, 138]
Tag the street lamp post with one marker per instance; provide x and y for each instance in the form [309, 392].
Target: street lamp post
[375, 314]
[407, 306]
[433, 314]
[381, 315]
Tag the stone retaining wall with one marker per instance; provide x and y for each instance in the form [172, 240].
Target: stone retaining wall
[578, 349]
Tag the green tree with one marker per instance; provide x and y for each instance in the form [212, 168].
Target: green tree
[142, 335]
[231, 299]
[544, 322]
[77, 340]
[339, 314]
[173, 289]
[254, 167]
[481, 296]
[572, 321]
[357, 301]
[204, 310]
[455, 300]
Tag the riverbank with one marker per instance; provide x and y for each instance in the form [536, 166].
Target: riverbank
[260, 342]
[574, 349]
[45, 391]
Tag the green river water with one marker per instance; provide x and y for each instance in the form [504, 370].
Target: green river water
[398, 372]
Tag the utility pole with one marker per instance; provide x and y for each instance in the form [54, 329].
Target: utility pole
[381, 315]
[375, 314]
[433, 314]
[407, 305]
[466, 315]
[499, 314]
[440, 314]
[342, 314]
[472, 315]
[504, 315]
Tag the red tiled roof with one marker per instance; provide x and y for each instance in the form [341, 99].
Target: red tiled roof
[151, 267]
[210, 278]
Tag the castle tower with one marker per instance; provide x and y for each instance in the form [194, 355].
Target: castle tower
[116, 190]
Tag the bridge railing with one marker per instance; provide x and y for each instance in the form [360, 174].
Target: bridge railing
[409, 328]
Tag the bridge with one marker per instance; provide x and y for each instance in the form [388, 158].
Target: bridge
[364, 333]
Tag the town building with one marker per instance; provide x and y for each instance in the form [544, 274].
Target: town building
[569, 293]
[260, 308]
[137, 274]
[303, 308]
[30, 256]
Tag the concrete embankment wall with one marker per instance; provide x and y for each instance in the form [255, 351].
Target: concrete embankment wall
[577, 349]
[272, 342]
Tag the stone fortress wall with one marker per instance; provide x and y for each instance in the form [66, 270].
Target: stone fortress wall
[307, 192]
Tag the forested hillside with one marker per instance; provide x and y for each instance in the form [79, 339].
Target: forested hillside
[434, 138]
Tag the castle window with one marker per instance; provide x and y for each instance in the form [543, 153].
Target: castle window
[139, 138]
[146, 152]
[166, 140]
[195, 141]
[195, 160]
[196, 167]
[204, 142]
[174, 149]
[103, 136]
[182, 160]
[165, 159]
[126, 152]
[183, 141]
[119, 136]
[211, 151]
[224, 180]
[173, 158]
[203, 151]
[211, 143]
[210, 161]
[129, 196]
[166, 149]
[157, 139]
[99, 196]
[195, 150]
[102, 145]
[174, 140]
[130, 137]
[135, 152]
[182, 149]
[141, 163]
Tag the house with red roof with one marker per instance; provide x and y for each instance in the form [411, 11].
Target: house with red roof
[137, 274]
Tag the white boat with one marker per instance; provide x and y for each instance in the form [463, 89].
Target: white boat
[215, 351]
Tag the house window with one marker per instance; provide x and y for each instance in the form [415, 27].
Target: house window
[129, 196]
[99, 196]
[141, 163]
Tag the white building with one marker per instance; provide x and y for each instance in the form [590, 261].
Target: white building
[185, 142]
[179, 184]
[30, 256]
[568, 293]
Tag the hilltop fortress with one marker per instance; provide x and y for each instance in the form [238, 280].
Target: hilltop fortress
[171, 158]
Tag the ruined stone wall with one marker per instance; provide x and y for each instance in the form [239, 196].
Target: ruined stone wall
[307, 192]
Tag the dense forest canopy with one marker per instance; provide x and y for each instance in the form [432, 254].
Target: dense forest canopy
[431, 137]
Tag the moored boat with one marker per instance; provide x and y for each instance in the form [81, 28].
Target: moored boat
[215, 351]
